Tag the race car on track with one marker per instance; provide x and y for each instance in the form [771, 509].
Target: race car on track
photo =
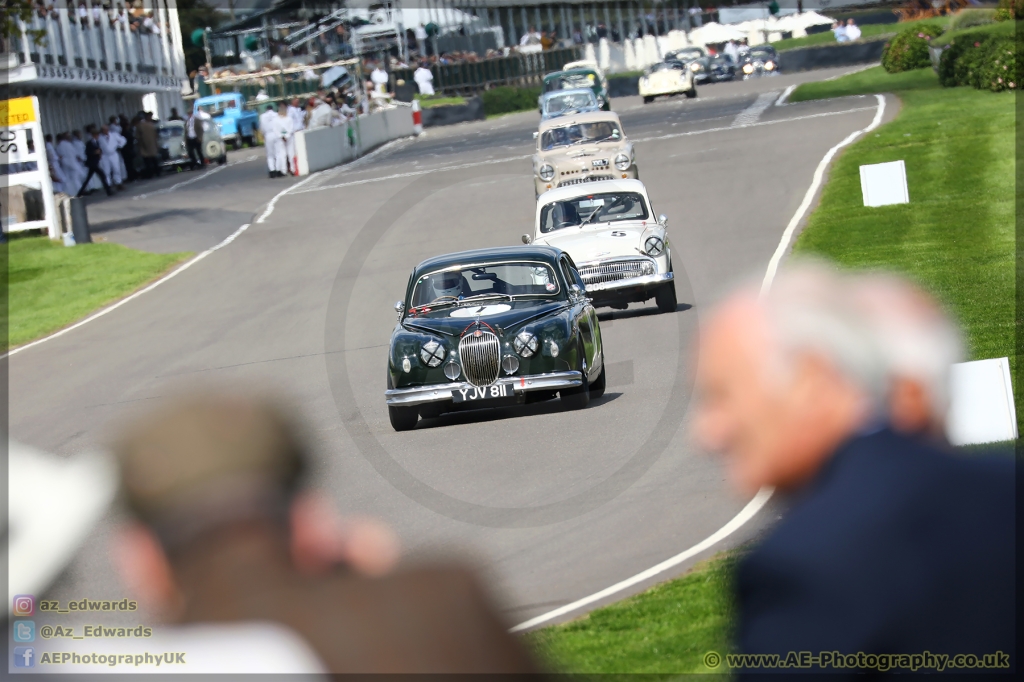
[581, 148]
[564, 102]
[761, 60]
[490, 328]
[667, 78]
[623, 252]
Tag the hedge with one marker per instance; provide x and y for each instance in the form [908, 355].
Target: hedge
[909, 49]
[507, 99]
[992, 63]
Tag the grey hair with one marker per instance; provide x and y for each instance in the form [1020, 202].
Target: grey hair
[918, 339]
[810, 309]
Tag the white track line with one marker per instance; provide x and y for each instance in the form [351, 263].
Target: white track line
[754, 111]
[863, 68]
[763, 495]
[273, 202]
[168, 190]
[819, 173]
[173, 273]
[725, 531]
[781, 101]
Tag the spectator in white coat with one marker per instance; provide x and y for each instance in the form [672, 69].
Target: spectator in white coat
[70, 162]
[110, 162]
[379, 78]
[424, 80]
[271, 139]
[60, 180]
[321, 115]
[852, 30]
[297, 115]
[286, 147]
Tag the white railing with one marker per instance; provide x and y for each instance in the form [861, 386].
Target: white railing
[99, 44]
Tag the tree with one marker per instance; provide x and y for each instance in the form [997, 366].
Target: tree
[10, 12]
[193, 14]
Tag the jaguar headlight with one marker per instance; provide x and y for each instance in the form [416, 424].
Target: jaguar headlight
[432, 353]
[694, 67]
[748, 68]
[525, 343]
[622, 162]
[769, 65]
[546, 172]
[654, 246]
[553, 347]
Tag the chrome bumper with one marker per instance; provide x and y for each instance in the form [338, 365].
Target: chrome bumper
[418, 395]
[644, 281]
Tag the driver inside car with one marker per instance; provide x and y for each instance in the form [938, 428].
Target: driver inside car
[447, 284]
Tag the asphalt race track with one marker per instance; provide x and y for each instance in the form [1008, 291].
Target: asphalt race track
[554, 505]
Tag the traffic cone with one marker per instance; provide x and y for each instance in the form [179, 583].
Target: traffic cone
[417, 118]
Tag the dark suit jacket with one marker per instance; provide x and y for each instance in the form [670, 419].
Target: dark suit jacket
[896, 547]
[92, 154]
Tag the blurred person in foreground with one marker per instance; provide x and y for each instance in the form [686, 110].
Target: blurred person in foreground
[892, 544]
[228, 536]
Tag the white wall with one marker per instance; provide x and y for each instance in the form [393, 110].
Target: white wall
[328, 147]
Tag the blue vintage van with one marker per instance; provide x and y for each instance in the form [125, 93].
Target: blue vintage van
[237, 124]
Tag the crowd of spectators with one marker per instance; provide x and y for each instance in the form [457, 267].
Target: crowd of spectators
[133, 17]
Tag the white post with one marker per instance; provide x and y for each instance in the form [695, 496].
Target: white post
[51, 38]
[25, 47]
[94, 38]
[119, 39]
[164, 46]
[179, 49]
[64, 20]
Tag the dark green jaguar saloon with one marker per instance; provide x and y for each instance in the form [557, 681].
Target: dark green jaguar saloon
[493, 327]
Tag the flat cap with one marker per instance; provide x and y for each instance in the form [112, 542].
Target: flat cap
[194, 449]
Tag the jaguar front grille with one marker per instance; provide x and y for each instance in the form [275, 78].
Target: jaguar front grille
[480, 353]
[612, 271]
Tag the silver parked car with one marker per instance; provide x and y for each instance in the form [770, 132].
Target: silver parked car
[174, 154]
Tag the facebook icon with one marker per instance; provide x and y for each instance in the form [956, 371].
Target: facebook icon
[24, 657]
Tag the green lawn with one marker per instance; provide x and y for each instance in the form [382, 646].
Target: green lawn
[956, 236]
[867, 32]
[51, 285]
[439, 101]
[666, 630]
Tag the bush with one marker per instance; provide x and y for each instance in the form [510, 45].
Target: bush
[992, 63]
[966, 18]
[507, 99]
[1010, 10]
[909, 49]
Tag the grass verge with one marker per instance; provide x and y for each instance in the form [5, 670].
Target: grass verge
[956, 236]
[666, 630]
[439, 101]
[50, 286]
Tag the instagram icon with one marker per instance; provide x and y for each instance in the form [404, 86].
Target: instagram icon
[24, 605]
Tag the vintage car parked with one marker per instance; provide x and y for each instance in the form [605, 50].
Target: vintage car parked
[585, 77]
[171, 143]
[237, 124]
[581, 148]
[623, 253]
[563, 102]
[667, 78]
[761, 60]
[489, 328]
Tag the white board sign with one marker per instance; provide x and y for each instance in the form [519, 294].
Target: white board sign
[24, 174]
[883, 184]
[981, 407]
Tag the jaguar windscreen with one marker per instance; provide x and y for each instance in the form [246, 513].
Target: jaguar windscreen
[579, 133]
[483, 281]
[593, 208]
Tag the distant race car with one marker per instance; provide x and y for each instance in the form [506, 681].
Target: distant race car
[581, 148]
[721, 67]
[609, 228]
[667, 78]
[697, 61]
[761, 60]
[564, 102]
[579, 77]
[492, 328]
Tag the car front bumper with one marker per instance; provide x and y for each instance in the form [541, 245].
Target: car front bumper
[632, 290]
[420, 395]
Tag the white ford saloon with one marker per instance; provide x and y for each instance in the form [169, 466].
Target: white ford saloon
[610, 231]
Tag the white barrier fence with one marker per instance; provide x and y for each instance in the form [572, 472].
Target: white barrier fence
[322, 148]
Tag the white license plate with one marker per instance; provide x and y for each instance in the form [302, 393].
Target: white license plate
[467, 395]
[600, 163]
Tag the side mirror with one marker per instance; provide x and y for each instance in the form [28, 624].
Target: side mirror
[576, 291]
[399, 307]
[536, 134]
[663, 220]
[527, 239]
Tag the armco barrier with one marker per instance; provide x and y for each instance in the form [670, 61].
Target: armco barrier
[472, 110]
[842, 54]
[322, 148]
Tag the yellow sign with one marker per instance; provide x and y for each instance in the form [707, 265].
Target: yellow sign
[15, 112]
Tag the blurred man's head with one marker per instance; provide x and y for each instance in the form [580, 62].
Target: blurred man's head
[919, 343]
[212, 474]
[784, 378]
